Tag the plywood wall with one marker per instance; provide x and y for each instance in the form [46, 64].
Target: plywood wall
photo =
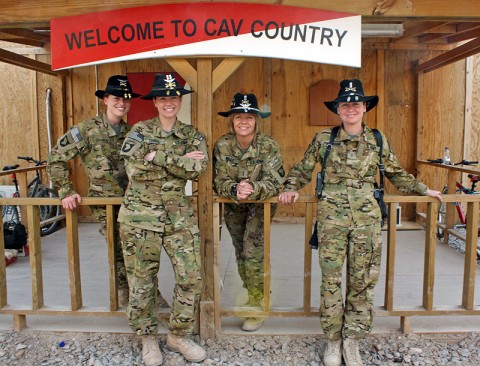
[282, 85]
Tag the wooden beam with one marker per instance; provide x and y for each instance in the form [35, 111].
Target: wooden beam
[419, 30]
[463, 36]
[205, 193]
[22, 61]
[26, 42]
[468, 49]
[28, 34]
[185, 69]
[28, 12]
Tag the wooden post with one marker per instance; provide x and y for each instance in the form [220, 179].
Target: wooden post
[307, 260]
[112, 270]
[35, 248]
[3, 271]
[391, 248]
[468, 296]
[205, 197]
[429, 260]
[74, 260]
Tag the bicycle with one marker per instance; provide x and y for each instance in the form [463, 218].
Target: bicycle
[11, 214]
[442, 211]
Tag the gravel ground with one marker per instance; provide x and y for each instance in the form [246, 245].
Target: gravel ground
[30, 347]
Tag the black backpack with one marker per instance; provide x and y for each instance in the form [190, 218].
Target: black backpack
[15, 235]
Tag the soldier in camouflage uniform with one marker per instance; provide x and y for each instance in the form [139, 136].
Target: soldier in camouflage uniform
[161, 154]
[348, 219]
[248, 165]
[97, 142]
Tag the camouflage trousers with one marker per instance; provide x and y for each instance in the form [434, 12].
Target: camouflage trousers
[100, 213]
[362, 247]
[142, 249]
[245, 225]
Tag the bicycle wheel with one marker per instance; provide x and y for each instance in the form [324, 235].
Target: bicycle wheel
[48, 211]
[441, 217]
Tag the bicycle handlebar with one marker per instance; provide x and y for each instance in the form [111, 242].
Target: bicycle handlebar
[463, 162]
[32, 160]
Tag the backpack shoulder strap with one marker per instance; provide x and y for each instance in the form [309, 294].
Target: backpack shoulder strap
[379, 139]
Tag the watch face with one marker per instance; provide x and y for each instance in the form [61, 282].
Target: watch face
[234, 190]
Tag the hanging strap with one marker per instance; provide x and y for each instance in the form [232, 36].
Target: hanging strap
[321, 175]
[381, 167]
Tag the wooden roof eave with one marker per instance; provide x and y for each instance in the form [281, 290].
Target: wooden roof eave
[465, 50]
[22, 61]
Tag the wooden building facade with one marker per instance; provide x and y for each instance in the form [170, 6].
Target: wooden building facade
[427, 81]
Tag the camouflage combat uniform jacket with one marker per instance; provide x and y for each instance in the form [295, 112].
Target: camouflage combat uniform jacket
[350, 172]
[157, 187]
[98, 146]
[261, 163]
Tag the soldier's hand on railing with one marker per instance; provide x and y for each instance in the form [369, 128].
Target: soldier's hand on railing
[288, 198]
[70, 202]
[434, 194]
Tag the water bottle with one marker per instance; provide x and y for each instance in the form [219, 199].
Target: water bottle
[446, 156]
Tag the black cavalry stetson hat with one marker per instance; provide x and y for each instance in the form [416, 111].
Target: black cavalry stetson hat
[165, 85]
[351, 90]
[244, 103]
[119, 86]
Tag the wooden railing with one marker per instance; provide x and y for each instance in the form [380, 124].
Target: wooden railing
[428, 307]
[466, 307]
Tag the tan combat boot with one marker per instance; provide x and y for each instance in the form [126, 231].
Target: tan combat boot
[122, 295]
[189, 349]
[152, 356]
[252, 324]
[351, 353]
[333, 353]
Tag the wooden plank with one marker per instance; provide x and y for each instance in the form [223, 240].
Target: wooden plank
[429, 260]
[112, 270]
[35, 247]
[468, 295]
[74, 260]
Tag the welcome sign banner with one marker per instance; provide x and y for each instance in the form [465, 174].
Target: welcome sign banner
[206, 29]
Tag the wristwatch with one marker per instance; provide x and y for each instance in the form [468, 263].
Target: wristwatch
[233, 190]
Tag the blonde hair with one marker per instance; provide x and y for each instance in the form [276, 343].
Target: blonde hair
[258, 122]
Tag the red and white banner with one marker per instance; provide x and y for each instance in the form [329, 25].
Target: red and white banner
[206, 29]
